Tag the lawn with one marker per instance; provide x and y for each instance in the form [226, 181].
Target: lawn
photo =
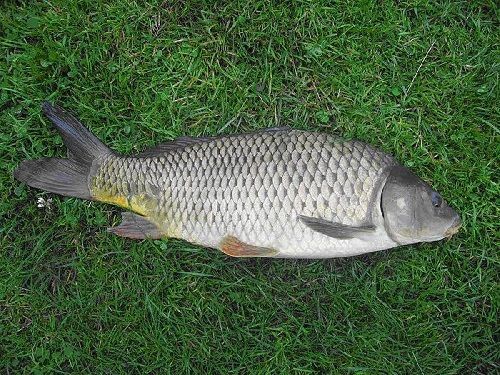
[419, 81]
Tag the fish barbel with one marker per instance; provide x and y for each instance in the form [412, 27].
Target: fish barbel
[277, 192]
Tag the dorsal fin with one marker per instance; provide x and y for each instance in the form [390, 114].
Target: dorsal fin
[185, 141]
[176, 144]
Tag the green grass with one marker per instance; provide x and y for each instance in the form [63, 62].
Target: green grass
[419, 81]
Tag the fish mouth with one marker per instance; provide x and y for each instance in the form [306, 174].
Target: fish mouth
[454, 228]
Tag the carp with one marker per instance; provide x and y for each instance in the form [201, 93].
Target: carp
[276, 192]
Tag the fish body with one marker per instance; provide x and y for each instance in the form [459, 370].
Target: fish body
[275, 192]
[254, 187]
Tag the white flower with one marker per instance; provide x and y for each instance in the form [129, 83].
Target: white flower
[41, 203]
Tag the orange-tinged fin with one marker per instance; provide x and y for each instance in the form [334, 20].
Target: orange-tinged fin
[232, 246]
[137, 227]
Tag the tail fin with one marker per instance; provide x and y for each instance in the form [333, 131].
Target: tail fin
[64, 176]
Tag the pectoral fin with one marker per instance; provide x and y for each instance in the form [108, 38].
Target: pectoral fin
[337, 230]
[136, 226]
[233, 247]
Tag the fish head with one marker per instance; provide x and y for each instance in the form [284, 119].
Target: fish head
[414, 212]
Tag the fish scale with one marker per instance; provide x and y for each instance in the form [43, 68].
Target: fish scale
[253, 187]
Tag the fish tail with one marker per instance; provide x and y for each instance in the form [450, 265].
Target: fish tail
[69, 176]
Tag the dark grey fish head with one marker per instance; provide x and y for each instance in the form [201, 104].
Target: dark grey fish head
[413, 211]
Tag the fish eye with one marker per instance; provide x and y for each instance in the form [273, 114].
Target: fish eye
[436, 199]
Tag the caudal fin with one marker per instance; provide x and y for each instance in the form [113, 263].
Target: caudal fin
[67, 177]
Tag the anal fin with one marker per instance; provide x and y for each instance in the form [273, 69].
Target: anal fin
[232, 246]
[137, 227]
